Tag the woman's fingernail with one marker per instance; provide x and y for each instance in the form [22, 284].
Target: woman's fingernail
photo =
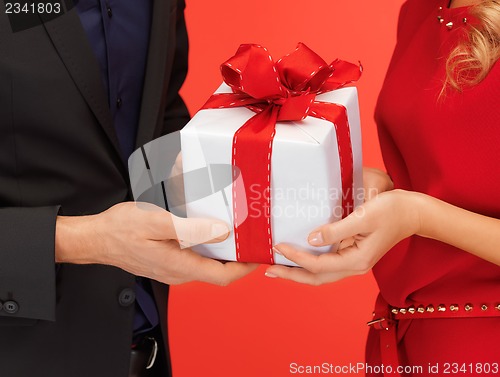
[275, 249]
[219, 230]
[316, 239]
[270, 275]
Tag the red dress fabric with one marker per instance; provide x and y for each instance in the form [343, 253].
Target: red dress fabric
[448, 148]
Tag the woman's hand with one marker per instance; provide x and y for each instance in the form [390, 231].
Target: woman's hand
[375, 182]
[375, 227]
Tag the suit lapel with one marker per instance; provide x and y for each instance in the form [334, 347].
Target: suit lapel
[154, 81]
[73, 47]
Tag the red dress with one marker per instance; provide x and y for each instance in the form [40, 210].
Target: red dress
[448, 148]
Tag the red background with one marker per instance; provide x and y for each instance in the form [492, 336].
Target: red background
[259, 326]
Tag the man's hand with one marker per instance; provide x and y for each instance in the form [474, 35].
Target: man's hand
[143, 239]
[175, 188]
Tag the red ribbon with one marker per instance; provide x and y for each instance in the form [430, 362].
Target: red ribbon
[281, 91]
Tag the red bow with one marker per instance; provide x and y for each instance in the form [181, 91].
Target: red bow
[281, 91]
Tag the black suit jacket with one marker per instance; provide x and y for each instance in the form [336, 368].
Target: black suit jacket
[59, 154]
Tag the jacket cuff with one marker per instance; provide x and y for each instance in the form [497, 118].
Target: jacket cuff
[27, 262]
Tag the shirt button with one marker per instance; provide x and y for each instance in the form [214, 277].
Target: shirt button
[126, 297]
[110, 12]
[119, 103]
[10, 307]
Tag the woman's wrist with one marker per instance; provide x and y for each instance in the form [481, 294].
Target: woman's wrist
[423, 206]
[412, 210]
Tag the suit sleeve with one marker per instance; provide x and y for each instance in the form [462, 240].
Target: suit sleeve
[27, 264]
[176, 112]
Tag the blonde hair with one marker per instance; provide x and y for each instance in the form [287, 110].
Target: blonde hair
[470, 61]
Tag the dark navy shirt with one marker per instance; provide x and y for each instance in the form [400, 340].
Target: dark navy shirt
[118, 32]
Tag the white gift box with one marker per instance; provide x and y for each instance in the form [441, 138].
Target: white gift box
[306, 187]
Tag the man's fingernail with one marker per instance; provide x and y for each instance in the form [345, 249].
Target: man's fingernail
[219, 230]
[316, 239]
[270, 275]
[275, 249]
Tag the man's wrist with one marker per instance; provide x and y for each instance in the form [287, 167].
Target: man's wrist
[74, 240]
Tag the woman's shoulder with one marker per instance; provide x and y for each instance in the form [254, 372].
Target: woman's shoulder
[421, 7]
[413, 13]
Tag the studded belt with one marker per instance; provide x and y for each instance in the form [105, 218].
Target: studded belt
[386, 318]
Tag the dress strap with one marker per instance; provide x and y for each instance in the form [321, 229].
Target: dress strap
[383, 321]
